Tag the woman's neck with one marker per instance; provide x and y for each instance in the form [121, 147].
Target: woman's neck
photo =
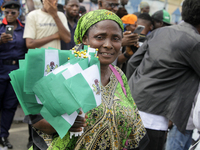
[105, 74]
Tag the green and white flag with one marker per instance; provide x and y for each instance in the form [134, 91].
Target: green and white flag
[62, 123]
[85, 88]
[52, 92]
[27, 101]
[40, 62]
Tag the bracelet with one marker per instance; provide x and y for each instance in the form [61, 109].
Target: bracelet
[127, 56]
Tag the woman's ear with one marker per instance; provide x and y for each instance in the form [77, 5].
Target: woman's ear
[85, 40]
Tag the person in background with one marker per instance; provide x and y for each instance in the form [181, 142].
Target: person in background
[46, 27]
[12, 48]
[122, 10]
[111, 5]
[145, 20]
[144, 7]
[161, 18]
[130, 24]
[163, 71]
[72, 10]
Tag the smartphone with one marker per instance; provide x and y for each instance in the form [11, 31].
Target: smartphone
[139, 29]
[10, 29]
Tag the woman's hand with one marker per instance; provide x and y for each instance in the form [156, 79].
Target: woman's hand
[5, 38]
[79, 123]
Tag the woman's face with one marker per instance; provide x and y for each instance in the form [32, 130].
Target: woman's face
[11, 15]
[106, 35]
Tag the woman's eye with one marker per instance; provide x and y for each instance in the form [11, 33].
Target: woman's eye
[116, 38]
[99, 37]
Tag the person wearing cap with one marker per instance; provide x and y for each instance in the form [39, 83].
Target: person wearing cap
[161, 18]
[130, 24]
[164, 76]
[144, 7]
[12, 48]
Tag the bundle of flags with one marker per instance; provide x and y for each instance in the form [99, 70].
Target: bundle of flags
[58, 84]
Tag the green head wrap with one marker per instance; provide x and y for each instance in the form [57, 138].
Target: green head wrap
[92, 17]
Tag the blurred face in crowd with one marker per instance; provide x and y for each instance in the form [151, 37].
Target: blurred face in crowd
[72, 8]
[105, 35]
[145, 9]
[148, 25]
[11, 14]
[131, 27]
[111, 5]
[124, 2]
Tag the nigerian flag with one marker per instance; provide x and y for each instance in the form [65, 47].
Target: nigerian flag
[85, 87]
[40, 62]
[52, 92]
[28, 102]
[81, 91]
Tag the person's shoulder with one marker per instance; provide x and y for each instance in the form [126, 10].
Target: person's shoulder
[61, 14]
[34, 13]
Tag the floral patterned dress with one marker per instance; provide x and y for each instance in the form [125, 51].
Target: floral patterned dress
[113, 125]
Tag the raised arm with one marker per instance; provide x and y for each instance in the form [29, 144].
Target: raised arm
[63, 32]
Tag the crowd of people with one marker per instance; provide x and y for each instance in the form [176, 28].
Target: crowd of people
[149, 78]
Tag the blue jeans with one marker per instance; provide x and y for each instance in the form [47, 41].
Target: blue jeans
[177, 140]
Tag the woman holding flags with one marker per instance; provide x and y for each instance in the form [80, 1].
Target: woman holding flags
[116, 123]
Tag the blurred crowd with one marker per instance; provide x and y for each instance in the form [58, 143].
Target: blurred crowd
[159, 59]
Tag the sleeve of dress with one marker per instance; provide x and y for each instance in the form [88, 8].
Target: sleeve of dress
[138, 132]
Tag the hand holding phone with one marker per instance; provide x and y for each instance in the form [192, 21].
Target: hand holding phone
[10, 29]
[139, 29]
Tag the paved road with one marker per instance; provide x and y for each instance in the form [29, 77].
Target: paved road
[19, 133]
[19, 136]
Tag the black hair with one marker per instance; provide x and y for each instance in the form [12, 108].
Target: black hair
[137, 13]
[82, 9]
[191, 11]
[145, 16]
